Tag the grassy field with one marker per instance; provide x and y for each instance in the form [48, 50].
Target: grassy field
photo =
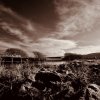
[14, 84]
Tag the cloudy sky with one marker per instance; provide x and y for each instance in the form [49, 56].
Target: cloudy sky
[52, 27]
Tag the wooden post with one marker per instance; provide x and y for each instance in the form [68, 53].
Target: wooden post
[27, 62]
[12, 61]
[0, 61]
[21, 61]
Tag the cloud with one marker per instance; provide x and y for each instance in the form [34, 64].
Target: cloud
[85, 49]
[5, 45]
[76, 16]
[77, 19]
[47, 46]
[22, 29]
[15, 31]
[15, 25]
[53, 47]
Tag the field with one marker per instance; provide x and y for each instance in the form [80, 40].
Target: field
[19, 81]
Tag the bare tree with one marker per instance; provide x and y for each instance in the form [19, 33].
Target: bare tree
[39, 56]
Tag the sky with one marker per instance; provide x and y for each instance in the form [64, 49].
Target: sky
[52, 27]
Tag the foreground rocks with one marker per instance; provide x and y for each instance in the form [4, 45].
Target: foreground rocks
[50, 85]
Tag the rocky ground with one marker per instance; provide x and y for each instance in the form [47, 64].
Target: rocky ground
[74, 80]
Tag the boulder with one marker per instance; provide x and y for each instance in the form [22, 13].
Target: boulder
[92, 92]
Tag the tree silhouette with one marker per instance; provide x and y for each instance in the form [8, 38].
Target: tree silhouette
[15, 52]
[39, 55]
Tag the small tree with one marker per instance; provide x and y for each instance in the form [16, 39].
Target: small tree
[39, 56]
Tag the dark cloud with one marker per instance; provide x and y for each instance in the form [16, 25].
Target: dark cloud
[39, 11]
[8, 37]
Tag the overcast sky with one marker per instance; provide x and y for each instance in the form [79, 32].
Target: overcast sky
[52, 27]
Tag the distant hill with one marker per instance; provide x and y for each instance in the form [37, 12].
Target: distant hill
[92, 56]
[73, 56]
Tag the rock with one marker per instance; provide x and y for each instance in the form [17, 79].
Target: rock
[47, 77]
[92, 92]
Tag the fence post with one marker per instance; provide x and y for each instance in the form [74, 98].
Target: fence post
[12, 60]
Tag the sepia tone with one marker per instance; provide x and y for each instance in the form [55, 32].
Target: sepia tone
[49, 50]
